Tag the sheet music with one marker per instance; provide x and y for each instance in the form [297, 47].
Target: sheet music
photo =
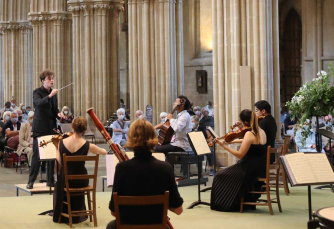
[320, 167]
[199, 142]
[290, 174]
[300, 167]
[48, 151]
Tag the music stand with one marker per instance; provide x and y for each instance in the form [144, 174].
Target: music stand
[200, 147]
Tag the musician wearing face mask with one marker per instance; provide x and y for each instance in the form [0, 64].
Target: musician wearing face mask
[66, 115]
[120, 128]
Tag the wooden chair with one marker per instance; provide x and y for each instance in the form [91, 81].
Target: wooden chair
[282, 172]
[80, 191]
[141, 200]
[267, 180]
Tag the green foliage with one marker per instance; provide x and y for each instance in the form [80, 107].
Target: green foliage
[313, 99]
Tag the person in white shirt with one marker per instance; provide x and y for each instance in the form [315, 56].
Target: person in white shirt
[120, 128]
[211, 110]
[182, 125]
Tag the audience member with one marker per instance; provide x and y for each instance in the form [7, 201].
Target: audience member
[6, 108]
[206, 121]
[24, 111]
[309, 144]
[13, 105]
[211, 110]
[289, 124]
[25, 139]
[66, 114]
[28, 109]
[163, 118]
[11, 131]
[20, 117]
[139, 114]
[198, 112]
[144, 176]
[2, 139]
[123, 105]
[120, 128]
[195, 122]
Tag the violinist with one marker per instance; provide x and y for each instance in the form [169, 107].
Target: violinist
[233, 183]
[46, 112]
[268, 124]
[182, 125]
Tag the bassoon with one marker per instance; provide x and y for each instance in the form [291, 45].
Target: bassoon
[116, 148]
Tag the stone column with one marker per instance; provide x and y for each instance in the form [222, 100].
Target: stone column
[95, 56]
[52, 45]
[156, 63]
[15, 49]
[245, 33]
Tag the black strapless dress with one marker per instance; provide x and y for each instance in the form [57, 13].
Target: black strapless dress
[233, 183]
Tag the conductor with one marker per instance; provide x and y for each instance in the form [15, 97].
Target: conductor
[46, 112]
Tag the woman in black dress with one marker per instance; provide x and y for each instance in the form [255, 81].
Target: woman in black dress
[233, 183]
[74, 145]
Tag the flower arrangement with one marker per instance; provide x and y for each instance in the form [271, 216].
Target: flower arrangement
[315, 98]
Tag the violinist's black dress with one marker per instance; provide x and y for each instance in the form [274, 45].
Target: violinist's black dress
[233, 183]
[59, 195]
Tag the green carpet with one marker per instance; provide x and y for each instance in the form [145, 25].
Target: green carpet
[22, 212]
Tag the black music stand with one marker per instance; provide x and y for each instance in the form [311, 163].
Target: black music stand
[199, 175]
[330, 136]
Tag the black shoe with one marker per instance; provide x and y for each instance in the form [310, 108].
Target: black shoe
[30, 185]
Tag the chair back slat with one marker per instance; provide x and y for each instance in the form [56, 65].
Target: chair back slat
[80, 177]
[143, 201]
[81, 158]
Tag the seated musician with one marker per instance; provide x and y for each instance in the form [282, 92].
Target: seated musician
[144, 176]
[233, 183]
[74, 145]
[182, 125]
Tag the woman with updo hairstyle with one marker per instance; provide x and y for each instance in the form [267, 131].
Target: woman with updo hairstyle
[233, 183]
[144, 175]
[74, 145]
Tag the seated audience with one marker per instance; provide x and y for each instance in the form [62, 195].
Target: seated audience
[144, 176]
[120, 128]
[328, 122]
[289, 125]
[198, 112]
[206, 121]
[66, 115]
[309, 144]
[11, 131]
[5, 118]
[25, 139]
[74, 145]
[195, 122]
[6, 108]
[233, 183]
[139, 114]
[163, 118]
[210, 107]
[24, 111]
[28, 109]
[13, 105]
[20, 117]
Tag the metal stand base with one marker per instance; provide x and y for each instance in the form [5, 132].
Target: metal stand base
[206, 189]
[326, 186]
[46, 212]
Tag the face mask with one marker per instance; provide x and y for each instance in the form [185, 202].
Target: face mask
[163, 120]
[31, 121]
[208, 106]
[120, 117]
[13, 120]
[13, 104]
[23, 108]
[20, 118]
[7, 118]
[193, 125]
[7, 109]
[66, 112]
[197, 112]
[28, 111]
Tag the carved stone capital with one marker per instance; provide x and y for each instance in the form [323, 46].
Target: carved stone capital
[15, 26]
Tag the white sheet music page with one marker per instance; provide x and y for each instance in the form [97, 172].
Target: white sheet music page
[301, 168]
[320, 167]
[199, 142]
[48, 151]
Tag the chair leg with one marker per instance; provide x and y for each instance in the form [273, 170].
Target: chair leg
[268, 198]
[69, 209]
[277, 192]
[89, 205]
[94, 208]
[17, 162]
[242, 205]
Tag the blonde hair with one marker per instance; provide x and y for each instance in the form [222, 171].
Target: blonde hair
[250, 117]
[141, 136]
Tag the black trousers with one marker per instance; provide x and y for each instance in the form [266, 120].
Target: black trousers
[111, 225]
[167, 148]
[35, 164]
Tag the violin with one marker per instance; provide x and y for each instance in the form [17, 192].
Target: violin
[236, 134]
[56, 138]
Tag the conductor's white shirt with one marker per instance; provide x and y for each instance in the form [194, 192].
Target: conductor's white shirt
[182, 126]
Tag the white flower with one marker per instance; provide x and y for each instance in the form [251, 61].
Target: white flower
[323, 73]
